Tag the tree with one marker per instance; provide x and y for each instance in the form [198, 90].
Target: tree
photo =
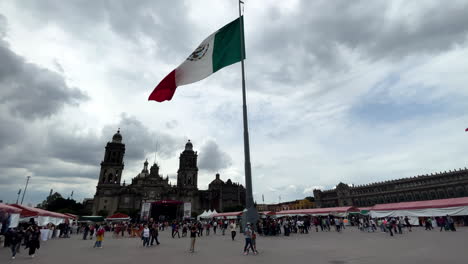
[310, 198]
[57, 203]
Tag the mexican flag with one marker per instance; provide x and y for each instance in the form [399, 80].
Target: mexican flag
[217, 51]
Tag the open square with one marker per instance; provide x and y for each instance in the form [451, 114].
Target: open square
[350, 246]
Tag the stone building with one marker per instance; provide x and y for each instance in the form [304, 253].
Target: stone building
[149, 186]
[441, 185]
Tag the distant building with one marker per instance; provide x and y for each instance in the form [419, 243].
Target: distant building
[442, 185]
[292, 205]
[150, 187]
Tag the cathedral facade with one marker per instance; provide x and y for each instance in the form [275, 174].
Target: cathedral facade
[150, 187]
[441, 185]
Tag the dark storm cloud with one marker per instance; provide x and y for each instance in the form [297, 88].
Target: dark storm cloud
[311, 38]
[11, 130]
[140, 140]
[132, 20]
[212, 158]
[30, 91]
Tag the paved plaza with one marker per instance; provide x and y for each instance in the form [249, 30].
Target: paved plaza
[351, 246]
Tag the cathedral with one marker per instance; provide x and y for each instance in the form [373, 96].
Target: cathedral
[149, 187]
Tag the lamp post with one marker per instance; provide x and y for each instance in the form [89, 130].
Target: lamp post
[17, 198]
[25, 188]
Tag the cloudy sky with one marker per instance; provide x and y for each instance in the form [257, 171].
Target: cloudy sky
[350, 91]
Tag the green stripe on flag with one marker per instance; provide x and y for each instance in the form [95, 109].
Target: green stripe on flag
[227, 45]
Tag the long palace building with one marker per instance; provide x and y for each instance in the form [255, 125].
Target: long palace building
[441, 185]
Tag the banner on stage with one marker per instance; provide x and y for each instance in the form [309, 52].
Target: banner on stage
[187, 210]
[145, 211]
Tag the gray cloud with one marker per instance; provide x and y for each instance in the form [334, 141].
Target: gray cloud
[3, 26]
[213, 158]
[135, 21]
[31, 91]
[140, 140]
[309, 43]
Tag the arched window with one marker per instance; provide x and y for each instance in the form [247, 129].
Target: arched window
[110, 178]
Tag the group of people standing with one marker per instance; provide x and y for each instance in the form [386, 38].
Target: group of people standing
[27, 236]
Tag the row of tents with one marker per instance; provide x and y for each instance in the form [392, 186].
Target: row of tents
[430, 208]
[20, 213]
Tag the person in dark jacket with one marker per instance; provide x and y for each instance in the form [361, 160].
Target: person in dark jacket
[34, 240]
[14, 240]
[154, 234]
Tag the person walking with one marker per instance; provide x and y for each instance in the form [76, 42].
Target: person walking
[99, 237]
[193, 237]
[232, 227]
[146, 236]
[34, 243]
[15, 241]
[225, 226]
[408, 225]
[85, 232]
[154, 234]
[175, 230]
[248, 239]
[215, 226]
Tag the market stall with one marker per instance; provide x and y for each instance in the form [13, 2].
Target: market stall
[431, 208]
[9, 215]
[335, 211]
[118, 217]
[41, 217]
[230, 215]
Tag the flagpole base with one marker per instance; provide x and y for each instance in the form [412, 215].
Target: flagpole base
[249, 215]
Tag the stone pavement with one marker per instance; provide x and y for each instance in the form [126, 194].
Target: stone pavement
[350, 246]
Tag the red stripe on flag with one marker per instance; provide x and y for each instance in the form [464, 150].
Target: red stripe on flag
[165, 89]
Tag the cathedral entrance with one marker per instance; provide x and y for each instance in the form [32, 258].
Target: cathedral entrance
[166, 210]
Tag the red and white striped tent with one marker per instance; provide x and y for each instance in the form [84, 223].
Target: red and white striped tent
[118, 217]
[430, 208]
[336, 211]
[41, 216]
[11, 212]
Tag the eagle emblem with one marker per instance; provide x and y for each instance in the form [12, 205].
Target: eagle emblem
[199, 52]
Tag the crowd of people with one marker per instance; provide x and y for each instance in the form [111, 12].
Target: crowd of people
[29, 235]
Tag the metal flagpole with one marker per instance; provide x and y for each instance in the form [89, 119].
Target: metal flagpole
[250, 213]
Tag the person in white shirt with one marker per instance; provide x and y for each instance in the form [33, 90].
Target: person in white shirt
[146, 236]
[232, 227]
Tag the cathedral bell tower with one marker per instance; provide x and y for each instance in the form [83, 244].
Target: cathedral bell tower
[112, 165]
[187, 175]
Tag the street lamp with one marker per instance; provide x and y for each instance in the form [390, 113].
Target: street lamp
[25, 188]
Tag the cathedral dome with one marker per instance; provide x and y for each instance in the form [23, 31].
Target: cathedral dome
[217, 180]
[117, 138]
[189, 145]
